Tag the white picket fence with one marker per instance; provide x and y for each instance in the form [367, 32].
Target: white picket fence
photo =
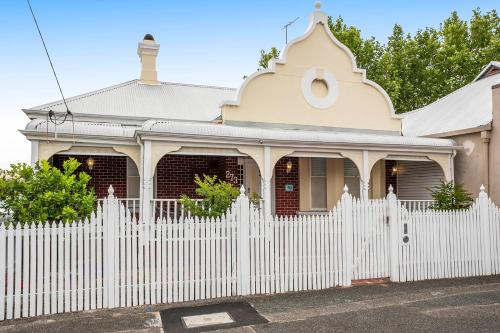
[114, 260]
[447, 244]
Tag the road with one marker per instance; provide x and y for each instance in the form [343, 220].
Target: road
[460, 305]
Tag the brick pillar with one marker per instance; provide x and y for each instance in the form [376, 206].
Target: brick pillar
[287, 203]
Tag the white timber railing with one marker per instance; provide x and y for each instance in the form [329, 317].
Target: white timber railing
[133, 205]
[170, 209]
[115, 259]
[412, 205]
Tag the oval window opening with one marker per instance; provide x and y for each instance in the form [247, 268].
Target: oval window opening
[319, 88]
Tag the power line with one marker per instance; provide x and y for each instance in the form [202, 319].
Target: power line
[48, 56]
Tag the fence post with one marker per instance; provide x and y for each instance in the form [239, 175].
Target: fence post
[392, 203]
[110, 215]
[347, 231]
[484, 216]
[243, 205]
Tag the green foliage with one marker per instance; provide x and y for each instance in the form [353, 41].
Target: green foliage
[266, 56]
[451, 196]
[217, 196]
[255, 198]
[417, 70]
[45, 193]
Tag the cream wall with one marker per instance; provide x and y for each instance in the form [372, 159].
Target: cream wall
[377, 180]
[494, 150]
[276, 97]
[469, 162]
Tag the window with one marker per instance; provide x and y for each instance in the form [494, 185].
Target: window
[318, 183]
[351, 177]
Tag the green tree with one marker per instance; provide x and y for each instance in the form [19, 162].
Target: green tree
[451, 196]
[45, 193]
[265, 57]
[217, 196]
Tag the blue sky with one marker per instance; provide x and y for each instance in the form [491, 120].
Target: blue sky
[93, 43]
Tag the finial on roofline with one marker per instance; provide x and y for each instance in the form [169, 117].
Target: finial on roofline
[317, 5]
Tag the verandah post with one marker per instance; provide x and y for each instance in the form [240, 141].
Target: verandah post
[347, 230]
[484, 216]
[243, 206]
[392, 203]
[110, 216]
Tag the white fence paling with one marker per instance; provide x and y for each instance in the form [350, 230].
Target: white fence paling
[446, 244]
[115, 259]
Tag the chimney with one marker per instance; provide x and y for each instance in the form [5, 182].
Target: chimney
[147, 51]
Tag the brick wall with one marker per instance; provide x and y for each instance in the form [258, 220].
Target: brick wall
[108, 170]
[175, 173]
[287, 203]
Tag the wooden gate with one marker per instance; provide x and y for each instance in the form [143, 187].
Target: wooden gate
[371, 256]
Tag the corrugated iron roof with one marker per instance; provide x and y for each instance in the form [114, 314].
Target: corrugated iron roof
[468, 107]
[133, 99]
[272, 134]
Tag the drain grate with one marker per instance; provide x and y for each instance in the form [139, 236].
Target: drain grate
[210, 317]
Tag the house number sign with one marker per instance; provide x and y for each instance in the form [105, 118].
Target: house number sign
[231, 177]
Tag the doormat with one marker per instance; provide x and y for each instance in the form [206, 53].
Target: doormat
[210, 317]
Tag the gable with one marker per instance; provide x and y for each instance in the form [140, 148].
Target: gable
[316, 83]
[491, 69]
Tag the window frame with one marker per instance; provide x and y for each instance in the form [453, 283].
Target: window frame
[319, 209]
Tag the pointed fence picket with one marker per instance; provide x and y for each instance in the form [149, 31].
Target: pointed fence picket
[114, 259]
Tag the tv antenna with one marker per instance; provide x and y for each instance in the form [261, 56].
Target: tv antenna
[285, 27]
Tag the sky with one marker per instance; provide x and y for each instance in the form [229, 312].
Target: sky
[93, 44]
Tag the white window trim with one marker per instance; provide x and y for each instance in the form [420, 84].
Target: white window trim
[316, 209]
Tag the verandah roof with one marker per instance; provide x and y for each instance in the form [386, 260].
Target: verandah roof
[212, 130]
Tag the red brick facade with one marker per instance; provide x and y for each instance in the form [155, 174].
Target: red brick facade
[287, 203]
[175, 173]
[108, 170]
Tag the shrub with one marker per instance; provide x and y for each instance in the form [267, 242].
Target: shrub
[45, 193]
[451, 196]
[216, 195]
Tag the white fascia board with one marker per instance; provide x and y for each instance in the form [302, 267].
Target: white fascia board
[42, 114]
[309, 145]
[109, 140]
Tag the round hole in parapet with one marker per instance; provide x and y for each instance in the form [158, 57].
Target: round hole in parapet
[319, 88]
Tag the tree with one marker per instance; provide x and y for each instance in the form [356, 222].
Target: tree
[265, 57]
[451, 196]
[45, 193]
[217, 196]
[417, 70]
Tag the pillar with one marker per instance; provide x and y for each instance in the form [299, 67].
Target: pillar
[365, 177]
[34, 152]
[266, 181]
[147, 182]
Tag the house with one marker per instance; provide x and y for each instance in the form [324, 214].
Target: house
[295, 133]
[471, 117]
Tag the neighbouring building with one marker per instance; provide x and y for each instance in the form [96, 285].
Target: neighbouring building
[471, 117]
[294, 133]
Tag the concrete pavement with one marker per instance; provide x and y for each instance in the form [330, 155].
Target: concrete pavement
[460, 305]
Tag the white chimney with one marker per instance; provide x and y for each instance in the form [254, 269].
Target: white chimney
[147, 51]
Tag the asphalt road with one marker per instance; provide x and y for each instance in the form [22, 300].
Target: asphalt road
[460, 305]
